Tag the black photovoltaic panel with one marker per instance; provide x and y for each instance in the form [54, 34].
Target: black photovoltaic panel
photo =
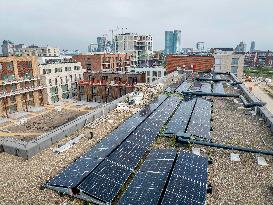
[200, 120]
[188, 182]
[206, 87]
[149, 182]
[183, 87]
[77, 171]
[218, 88]
[148, 130]
[105, 181]
[181, 117]
[143, 136]
[127, 155]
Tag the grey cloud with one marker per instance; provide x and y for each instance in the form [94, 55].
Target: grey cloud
[73, 24]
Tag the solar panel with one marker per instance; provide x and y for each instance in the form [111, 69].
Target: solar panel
[200, 120]
[148, 130]
[181, 117]
[183, 87]
[149, 182]
[218, 88]
[188, 181]
[206, 87]
[77, 171]
[128, 154]
[105, 181]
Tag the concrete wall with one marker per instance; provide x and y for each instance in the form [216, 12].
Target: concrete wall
[31, 148]
[224, 64]
[263, 112]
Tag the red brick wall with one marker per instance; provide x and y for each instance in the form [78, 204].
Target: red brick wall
[200, 63]
[95, 61]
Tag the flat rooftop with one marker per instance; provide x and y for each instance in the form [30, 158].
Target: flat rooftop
[233, 182]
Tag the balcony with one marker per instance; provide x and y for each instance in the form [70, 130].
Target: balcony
[20, 91]
[8, 82]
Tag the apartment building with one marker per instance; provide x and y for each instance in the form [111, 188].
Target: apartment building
[20, 86]
[41, 51]
[107, 86]
[194, 62]
[151, 73]
[229, 63]
[9, 48]
[97, 62]
[139, 46]
[60, 79]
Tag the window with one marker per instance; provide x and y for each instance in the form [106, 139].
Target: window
[76, 67]
[56, 81]
[66, 79]
[29, 64]
[49, 81]
[58, 70]
[67, 68]
[10, 66]
[234, 69]
[148, 73]
[155, 73]
[234, 61]
[159, 74]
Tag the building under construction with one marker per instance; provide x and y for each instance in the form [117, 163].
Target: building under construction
[20, 87]
[107, 86]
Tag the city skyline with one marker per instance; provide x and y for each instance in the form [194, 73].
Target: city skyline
[74, 25]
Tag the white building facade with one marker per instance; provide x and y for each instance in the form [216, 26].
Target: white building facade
[140, 46]
[60, 80]
[41, 51]
[152, 73]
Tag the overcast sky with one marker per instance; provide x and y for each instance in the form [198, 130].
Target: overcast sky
[73, 24]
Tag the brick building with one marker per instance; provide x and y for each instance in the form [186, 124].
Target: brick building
[20, 87]
[198, 63]
[107, 86]
[98, 62]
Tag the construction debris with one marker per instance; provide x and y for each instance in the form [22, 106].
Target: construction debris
[69, 144]
[261, 161]
[234, 157]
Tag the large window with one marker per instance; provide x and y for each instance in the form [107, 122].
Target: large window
[234, 61]
[10, 66]
[234, 69]
[58, 70]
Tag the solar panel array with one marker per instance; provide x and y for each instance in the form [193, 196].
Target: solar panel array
[199, 124]
[218, 88]
[148, 184]
[105, 181]
[181, 117]
[188, 182]
[183, 87]
[77, 171]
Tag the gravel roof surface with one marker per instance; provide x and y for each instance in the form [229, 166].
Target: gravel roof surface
[243, 182]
